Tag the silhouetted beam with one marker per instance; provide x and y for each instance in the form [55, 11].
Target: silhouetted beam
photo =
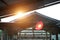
[4, 2]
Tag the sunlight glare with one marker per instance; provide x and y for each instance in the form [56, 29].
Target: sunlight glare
[18, 15]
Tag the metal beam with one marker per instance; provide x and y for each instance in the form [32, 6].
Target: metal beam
[4, 2]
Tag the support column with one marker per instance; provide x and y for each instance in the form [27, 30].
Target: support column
[57, 36]
[50, 36]
[46, 36]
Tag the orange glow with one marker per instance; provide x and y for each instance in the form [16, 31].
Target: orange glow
[39, 25]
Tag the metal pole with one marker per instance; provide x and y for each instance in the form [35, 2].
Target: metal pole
[56, 36]
[33, 33]
[46, 36]
[1, 35]
[50, 36]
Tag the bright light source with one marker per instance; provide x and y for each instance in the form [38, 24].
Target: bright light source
[8, 19]
[18, 15]
[51, 11]
[39, 25]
